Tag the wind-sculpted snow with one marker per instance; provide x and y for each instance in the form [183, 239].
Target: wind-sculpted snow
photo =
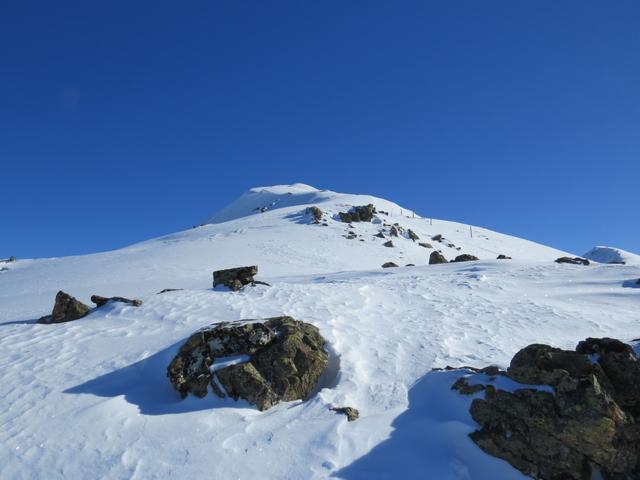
[90, 398]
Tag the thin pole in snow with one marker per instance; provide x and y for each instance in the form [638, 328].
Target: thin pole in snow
[471, 230]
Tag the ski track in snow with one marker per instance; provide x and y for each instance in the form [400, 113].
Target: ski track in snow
[90, 399]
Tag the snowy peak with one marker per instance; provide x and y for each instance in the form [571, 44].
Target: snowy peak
[603, 254]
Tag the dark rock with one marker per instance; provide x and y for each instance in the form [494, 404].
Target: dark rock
[389, 265]
[393, 232]
[587, 424]
[324, 224]
[380, 235]
[101, 301]
[465, 257]
[351, 413]
[235, 278]
[573, 261]
[425, 245]
[66, 309]
[286, 358]
[388, 244]
[316, 213]
[165, 290]
[436, 257]
[503, 257]
[9, 260]
[451, 245]
[437, 238]
[462, 386]
[413, 235]
[363, 213]
[410, 265]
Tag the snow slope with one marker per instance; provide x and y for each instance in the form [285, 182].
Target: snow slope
[90, 399]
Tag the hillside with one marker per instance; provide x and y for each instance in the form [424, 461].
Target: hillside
[90, 398]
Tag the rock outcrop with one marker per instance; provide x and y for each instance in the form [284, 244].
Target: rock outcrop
[389, 265]
[465, 257]
[573, 261]
[316, 213]
[66, 309]
[351, 413]
[436, 257]
[100, 301]
[283, 360]
[363, 213]
[576, 417]
[235, 278]
[503, 257]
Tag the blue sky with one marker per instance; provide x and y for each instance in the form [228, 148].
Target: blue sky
[120, 121]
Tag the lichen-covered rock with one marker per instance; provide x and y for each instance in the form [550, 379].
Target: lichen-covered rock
[573, 261]
[101, 301]
[465, 257]
[389, 265]
[316, 213]
[235, 278]
[363, 213]
[351, 413]
[286, 358]
[66, 309]
[436, 257]
[583, 421]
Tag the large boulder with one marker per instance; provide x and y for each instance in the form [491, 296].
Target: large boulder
[66, 309]
[465, 257]
[315, 212]
[576, 416]
[282, 360]
[235, 278]
[362, 213]
[573, 261]
[436, 257]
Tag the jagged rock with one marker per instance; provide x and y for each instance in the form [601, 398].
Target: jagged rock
[316, 213]
[165, 290]
[351, 413]
[389, 265]
[436, 257]
[363, 213]
[235, 278]
[66, 309]
[388, 244]
[574, 261]
[503, 257]
[100, 301]
[284, 360]
[393, 232]
[425, 245]
[413, 235]
[437, 238]
[585, 425]
[380, 235]
[465, 257]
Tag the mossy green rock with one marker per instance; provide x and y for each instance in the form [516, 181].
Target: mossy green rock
[286, 358]
[587, 425]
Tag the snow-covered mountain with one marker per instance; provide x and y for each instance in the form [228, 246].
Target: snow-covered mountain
[90, 398]
[612, 255]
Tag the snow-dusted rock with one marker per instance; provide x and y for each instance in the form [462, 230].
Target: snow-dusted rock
[235, 278]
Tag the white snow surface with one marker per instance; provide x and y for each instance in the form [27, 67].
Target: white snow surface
[90, 398]
[612, 255]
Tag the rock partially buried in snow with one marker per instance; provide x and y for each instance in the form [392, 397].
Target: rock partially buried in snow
[316, 213]
[283, 361]
[503, 257]
[363, 213]
[351, 413]
[465, 257]
[575, 416]
[389, 265]
[436, 257]
[101, 301]
[235, 278]
[66, 309]
[573, 261]
[388, 244]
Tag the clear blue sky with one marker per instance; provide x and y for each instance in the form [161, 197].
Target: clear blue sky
[121, 120]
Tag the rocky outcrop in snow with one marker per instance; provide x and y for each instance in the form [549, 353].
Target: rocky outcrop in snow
[278, 359]
[235, 278]
[575, 417]
[66, 309]
[573, 261]
[363, 213]
[465, 257]
[101, 301]
[436, 257]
